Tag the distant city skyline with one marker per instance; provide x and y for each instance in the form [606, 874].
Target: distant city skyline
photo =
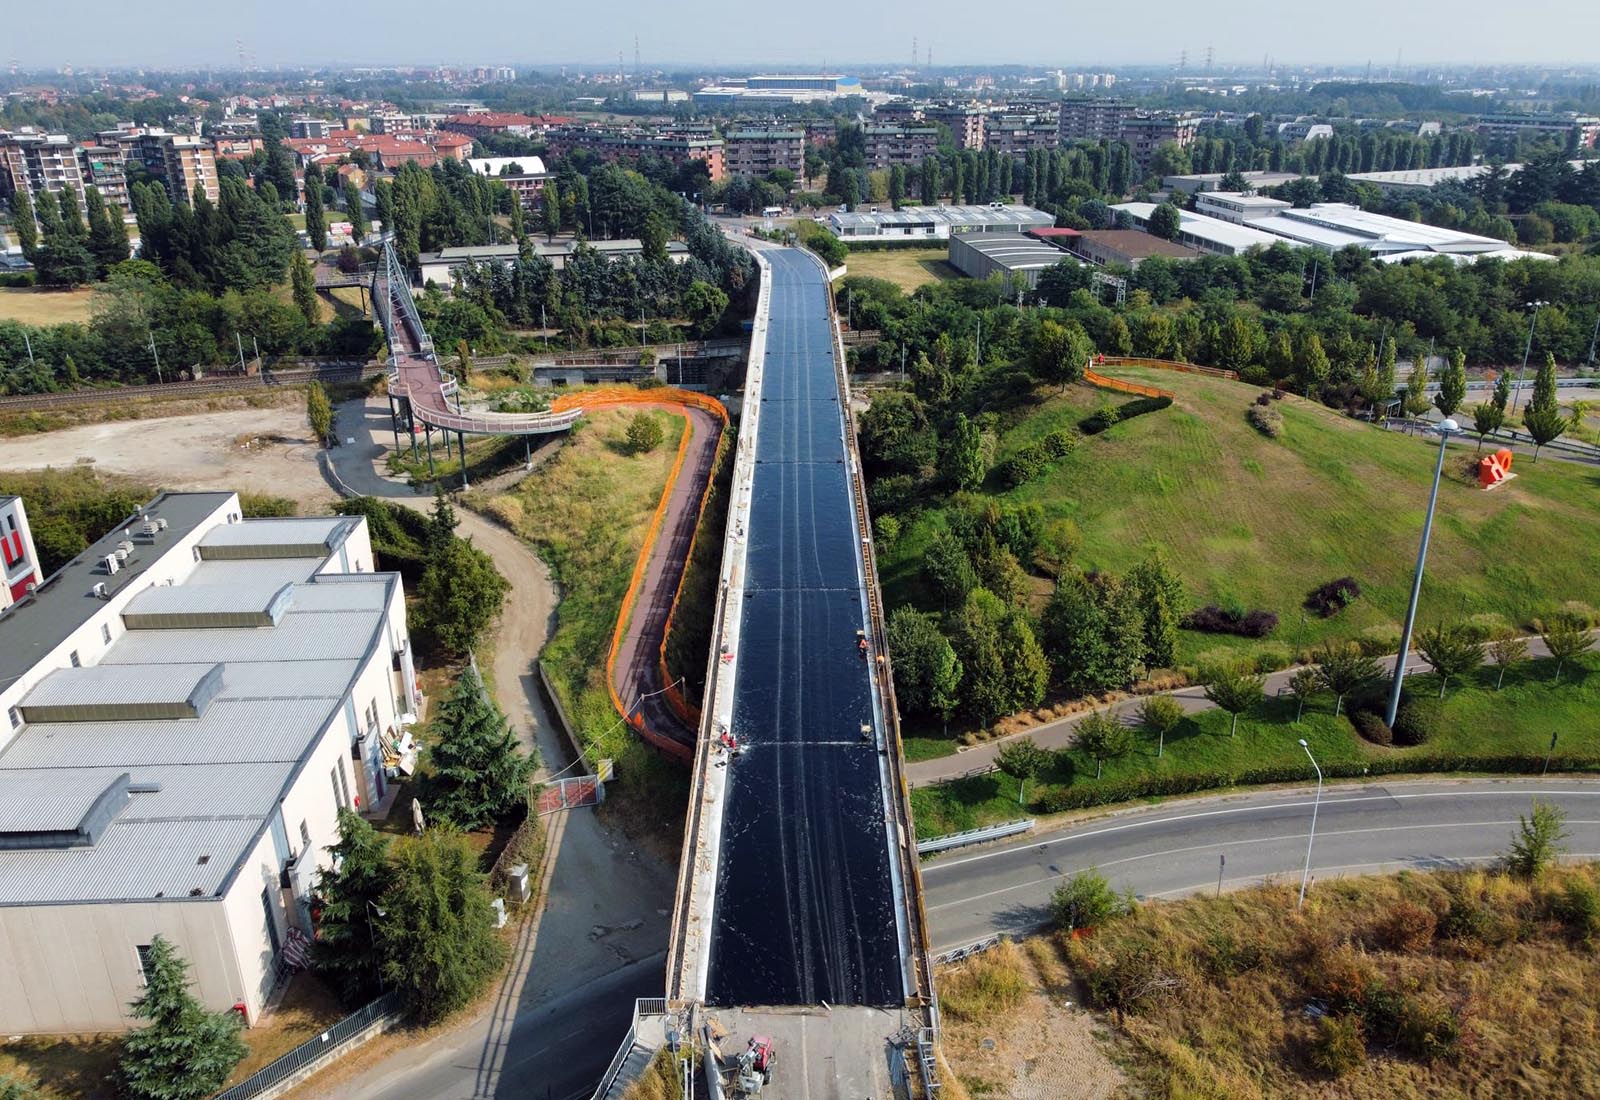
[731, 36]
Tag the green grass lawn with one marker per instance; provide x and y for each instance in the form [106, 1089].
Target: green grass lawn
[907, 268]
[1259, 522]
[1478, 724]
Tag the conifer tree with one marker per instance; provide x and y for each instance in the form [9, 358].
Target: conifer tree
[479, 770]
[351, 890]
[184, 1052]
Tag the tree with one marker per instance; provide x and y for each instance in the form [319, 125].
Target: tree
[1343, 668]
[304, 284]
[1452, 385]
[479, 771]
[1542, 418]
[1161, 598]
[1451, 650]
[437, 935]
[345, 953]
[550, 209]
[704, 304]
[1022, 760]
[1061, 352]
[1103, 737]
[1311, 364]
[963, 456]
[1093, 632]
[948, 567]
[23, 227]
[354, 210]
[1501, 395]
[319, 413]
[1303, 685]
[108, 235]
[1505, 650]
[1160, 714]
[1566, 635]
[1234, 688]
[927, 673]
[316, 217]
[460, 593]
[644, 433]
[1486, 420]
[1416, 402]
[1086, 900]
[1165, 222]
[184, 1052]
[1538, 841]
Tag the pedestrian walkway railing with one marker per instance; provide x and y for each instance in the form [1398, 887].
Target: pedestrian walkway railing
[974, 836]
[966, 951]
[316, 1050]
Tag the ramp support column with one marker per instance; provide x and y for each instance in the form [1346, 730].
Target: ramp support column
[461, 446]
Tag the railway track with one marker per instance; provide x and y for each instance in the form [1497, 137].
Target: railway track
[266, 380]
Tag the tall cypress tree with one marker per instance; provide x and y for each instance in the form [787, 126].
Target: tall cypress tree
[316, 217]
[354, 210]
[479, 771]
[22, 223]
[304, 285]
[72, 214]
[185, 1052]
[108, 237]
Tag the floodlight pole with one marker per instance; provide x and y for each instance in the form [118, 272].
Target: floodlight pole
[1445, 428]
[1312, 838]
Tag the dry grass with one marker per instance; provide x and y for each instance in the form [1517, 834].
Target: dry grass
[34, 306]
[147, 408]
[307, 1008]
[907, 268]
[1226, 984]
[662, 1080]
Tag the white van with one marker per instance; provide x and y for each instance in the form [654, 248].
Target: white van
[771, 211]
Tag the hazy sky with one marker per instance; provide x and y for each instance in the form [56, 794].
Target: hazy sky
[735, 33]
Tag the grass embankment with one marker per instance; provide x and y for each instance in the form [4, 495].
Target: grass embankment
[1258, 522]
[487, 455]
[36, 306]
[906, 268]
[1451, 984]
[1479, 729]
[586, 511]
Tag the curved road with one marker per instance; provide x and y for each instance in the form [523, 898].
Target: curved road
[1177, 849]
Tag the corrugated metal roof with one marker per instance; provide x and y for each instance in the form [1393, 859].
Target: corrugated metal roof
[299, 637]
[277, 532]
[266, 572]
[132, 861]
[49, 801]
[208, 605]
[118, 684]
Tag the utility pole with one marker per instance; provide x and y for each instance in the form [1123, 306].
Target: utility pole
[1526, 351]
[1592, 337]
[154, 355]
[31, 363]
[239, 342]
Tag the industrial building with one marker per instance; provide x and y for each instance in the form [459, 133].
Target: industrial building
[1206, 234]
[439, 267]
[1013, 255]
[935, 222]
[1127, 247]
[189, 704]
[756, 90]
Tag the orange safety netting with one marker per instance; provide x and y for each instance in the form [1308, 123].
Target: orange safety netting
[1164, 364]
[606, 397]
[1094, 378]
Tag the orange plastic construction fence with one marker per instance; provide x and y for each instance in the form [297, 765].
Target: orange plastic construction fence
[663, 396]
[1164, 364]
[1094, 378]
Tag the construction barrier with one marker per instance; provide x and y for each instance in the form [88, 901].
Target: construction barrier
[612, 397]
[1094, 378]
[1165, 364]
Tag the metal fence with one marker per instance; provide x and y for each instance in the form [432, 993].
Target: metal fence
[957, 954]
[315, 1050]
[973, 836]
[332, 371]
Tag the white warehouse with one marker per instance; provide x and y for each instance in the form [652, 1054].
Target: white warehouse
[189, 703]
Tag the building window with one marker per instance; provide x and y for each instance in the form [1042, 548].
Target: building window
[76, 661]
[272, 920]
[344, 785]
[105, 633]
[305, 836]
[15, 715]
[333, 778]
[146, 966]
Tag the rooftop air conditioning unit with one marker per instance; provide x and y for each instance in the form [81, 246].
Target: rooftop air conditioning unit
[161, 524]
[148, 530]
[122, 554]
[125, 546]
[110, 562]
[100, 590]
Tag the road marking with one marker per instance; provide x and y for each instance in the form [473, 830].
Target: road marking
[1247, 879]
[1066, 837]
[1237, 844]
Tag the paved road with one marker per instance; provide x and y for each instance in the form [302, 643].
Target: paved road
[1174, 850]
[1060, 733]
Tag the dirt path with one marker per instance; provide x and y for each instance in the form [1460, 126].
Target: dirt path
[637, 673]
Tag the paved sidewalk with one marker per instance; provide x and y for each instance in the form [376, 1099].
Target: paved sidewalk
[1061, 733]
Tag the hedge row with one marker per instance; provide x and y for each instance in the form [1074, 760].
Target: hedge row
[1084, 795]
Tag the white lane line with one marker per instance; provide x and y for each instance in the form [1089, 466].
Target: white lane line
[1214, 846]
[1342, 868]
[1067, 837]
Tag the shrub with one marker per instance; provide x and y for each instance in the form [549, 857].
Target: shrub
[1086, 900]
[1539, 840]
[1416, 721]
[1407, 927]
[1141, 405]
[1425, 1029]
[1263, 399]
[1371, 726]
[1218, 620]
[1226, 957]
[1329, 599]
[1129, 982]
[1025, 465]
[1469, 920]
[644, 433]
[1339, 1047]
[1256, 376]
[1378, 641]
[1061, 442]
[1578, 907]
[1266, 420]
[1098, 421]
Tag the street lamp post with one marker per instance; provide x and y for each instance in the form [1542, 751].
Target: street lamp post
[1312, 839]
[1446, 426]
[1527, 350]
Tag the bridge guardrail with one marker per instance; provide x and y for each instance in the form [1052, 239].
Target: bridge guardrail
[974, 836]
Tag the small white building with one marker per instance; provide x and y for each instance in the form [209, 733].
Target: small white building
[19, 563]
[935, 223]
[188, 705]
[1239, 207]
[1200, 231]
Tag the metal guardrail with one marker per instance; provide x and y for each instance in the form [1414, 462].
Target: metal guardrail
[966, 951]
[974, 836]
[642, 1006]
[314, 1050]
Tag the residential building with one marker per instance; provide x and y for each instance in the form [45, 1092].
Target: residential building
[757, 152]
[1015, 256]
[1018, 135]
[381, 122]
[1144, 135]
[674, 147]
[524, 176]
[36, 162]
[1562, 126]
[820, 131]
[309, 127]
[189, 703]
[185, 164]
[1304, 129]
[481, 124]
[887, 146]
[966, 123]
[1093, 118]
[19, 563]
[105, 168]
[936, 222]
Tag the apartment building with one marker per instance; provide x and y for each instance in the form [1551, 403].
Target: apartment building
[1093, 118]
[757, 152]
[189, 703]
[1559, 126]
[186, 164]
[36, 162]
[611, 145]
[1144, 135]
[888, 146]
[105, 168]
[966, 123]
[1018, 135]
